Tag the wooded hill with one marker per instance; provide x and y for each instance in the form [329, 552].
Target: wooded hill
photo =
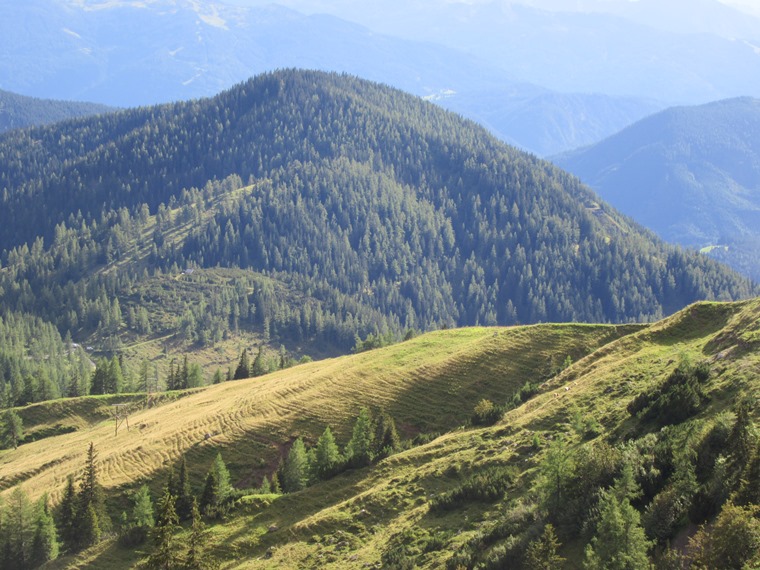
[18, 111]
[623, 438]
[688, 173]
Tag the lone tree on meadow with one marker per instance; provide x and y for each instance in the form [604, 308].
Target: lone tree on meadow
[13, 428]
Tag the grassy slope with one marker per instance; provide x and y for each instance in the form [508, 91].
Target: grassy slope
[396, 494]
[428, 383]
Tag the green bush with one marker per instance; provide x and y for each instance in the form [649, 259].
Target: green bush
[486, 486]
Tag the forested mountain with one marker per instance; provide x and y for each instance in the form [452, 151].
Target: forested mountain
[360, 210]
[17, 111]
[128, 54]
[692, 174]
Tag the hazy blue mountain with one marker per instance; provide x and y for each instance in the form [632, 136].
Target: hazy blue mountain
[18, 111]
[692, 174]
[549, 122]
[679, 51]
[129, 53]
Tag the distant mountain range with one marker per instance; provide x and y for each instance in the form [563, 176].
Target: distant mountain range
[692, 174]
[679, 51]
[128, 54]
[17, 111]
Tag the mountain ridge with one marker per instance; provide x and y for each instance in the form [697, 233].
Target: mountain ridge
[688, 173]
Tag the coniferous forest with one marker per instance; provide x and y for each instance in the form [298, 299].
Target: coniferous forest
[352, 208]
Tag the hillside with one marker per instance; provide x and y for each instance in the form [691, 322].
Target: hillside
[688, 173]
[377, 213]
[390, 513]
[17, 111]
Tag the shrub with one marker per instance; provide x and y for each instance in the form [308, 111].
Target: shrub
[487, 485]
[677, 399]
[486, 413]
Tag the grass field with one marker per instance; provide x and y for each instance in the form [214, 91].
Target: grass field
[429, 384]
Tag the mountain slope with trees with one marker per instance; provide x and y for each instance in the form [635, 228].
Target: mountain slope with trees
[17, 111]
[688, 173]
[389, 212]
[547, 446]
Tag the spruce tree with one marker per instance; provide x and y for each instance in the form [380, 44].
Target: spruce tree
[327, 457]
[542, 552]
[196, 558]
[164, 555]
[243, 369]
[13, 429]
[92, 519]
[620, 542]
[258, 368]
[359, 448]
[183, 492]
[295, 473]
[209, 496]
[222, 475]
[45, 542]
[142, 511]
[20, 527]
[67, 516]
[387, 441]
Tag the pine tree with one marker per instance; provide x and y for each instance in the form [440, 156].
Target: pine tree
[67, 516]
[142, 511]
[387, 441]
[13, 428]
[20, 527]
[164, 555]
[359, 448]
[542, 552]
[741, 443]
[243, 369]
[327, 457]
[92, 519]
[620, 542]
[183, 492]
[295, 473]
[45, 542]
[115, 377]
[196, 559]
[209, 496]
[222, 475]
[266, 486]
[258, 368]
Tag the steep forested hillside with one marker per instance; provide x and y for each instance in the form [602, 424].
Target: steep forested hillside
[692, 174]
[17, 111]
[356, 195]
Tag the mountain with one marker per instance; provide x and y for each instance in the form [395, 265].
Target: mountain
[375, 210]
[649, 417]
[691, 174]
[677, 51]
[128, 54]
[549, 123]
[17, 111]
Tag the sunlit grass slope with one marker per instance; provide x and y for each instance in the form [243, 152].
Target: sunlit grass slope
[429, 383]
[352, 520]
